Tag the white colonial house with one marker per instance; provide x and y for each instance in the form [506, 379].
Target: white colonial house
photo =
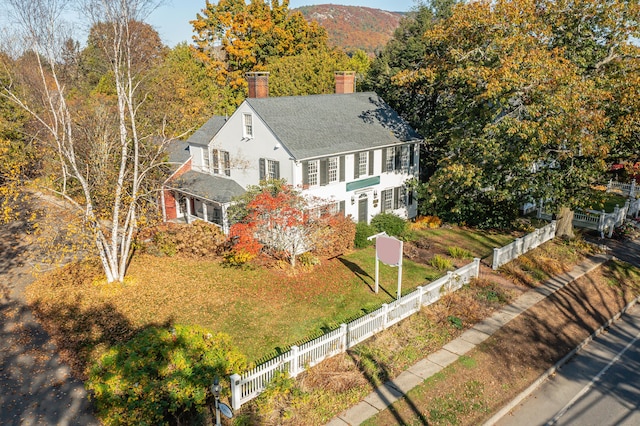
[350, 149]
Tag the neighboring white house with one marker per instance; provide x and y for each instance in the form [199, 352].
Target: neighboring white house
[350, 149]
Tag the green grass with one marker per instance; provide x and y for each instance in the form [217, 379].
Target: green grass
[265, 311]
[459, 253]
[607, 201]
[479, 243]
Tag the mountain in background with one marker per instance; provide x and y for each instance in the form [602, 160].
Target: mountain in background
[354, 27]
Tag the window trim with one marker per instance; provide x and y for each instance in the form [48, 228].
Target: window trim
[335, 161]
[363, 164]
[247, 125]
[313, 178]
[386, 197]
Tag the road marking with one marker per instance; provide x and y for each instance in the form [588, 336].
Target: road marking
[589, 385]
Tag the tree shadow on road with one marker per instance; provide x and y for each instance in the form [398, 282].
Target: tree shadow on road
[385, 390]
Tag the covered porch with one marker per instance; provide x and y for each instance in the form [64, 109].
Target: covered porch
[199, 196]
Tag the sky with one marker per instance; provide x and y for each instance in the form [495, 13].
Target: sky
[172, 20]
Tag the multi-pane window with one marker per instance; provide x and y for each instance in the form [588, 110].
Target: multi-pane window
[273, 171]
[221, 162]
[313, 172]
[334, 208]
[269, 169]
[332, 169]
[248, 125]
[363, 163]
[390, 159]
[226, 163]
[387, 200]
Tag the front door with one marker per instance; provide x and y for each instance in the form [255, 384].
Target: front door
[363, 209]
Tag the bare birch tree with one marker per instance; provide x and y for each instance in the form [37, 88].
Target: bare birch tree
[111, 221]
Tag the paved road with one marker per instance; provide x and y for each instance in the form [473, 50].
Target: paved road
[600, 386]
[36, 387]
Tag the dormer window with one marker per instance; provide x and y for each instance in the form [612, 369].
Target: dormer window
[247, 122]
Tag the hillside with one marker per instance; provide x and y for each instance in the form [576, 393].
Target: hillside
[354, 27]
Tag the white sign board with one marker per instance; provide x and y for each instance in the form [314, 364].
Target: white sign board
[389, 252]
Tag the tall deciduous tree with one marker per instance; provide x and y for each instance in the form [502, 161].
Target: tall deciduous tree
[518, 95]
[308, 73]
[111, 208]
[234, 37]
[19, 159]
[406, 52]
[183, 92]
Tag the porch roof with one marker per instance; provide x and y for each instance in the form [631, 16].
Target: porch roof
[210, 187]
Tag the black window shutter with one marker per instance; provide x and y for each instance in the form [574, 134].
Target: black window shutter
[412, 155]
[277, 169]
[342, 168]
[370, 163]
[342, 207]
[410, 198]
[305, 173]
[397, 157]
[323, 172]
[384, 160]
[396, 198]
[263, 171]
[356, 165]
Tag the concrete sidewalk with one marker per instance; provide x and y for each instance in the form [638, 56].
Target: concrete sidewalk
[397, 388]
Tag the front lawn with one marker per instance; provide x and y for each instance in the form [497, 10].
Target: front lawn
[263, 310]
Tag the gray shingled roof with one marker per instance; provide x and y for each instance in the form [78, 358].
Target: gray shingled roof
[214, 188]
[204, 134]
[321, 125]
[178, 151]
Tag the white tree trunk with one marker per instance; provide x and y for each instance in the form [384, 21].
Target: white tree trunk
[38, 21]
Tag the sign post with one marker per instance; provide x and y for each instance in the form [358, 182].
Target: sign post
[220, 407]
[389, 251]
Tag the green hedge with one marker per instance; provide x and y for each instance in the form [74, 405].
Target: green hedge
[161, 376]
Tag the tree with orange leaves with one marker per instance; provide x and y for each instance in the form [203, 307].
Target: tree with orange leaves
[233, 37]
[275, 219]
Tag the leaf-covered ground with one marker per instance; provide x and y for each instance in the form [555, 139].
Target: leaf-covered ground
[264, 310]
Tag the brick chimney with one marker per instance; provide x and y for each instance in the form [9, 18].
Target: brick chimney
[345, 81]
[258, 84]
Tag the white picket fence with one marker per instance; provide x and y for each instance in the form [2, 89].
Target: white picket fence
[600, 221]
[247, 386]
[522, 245]
[634, 208]
[626, 189]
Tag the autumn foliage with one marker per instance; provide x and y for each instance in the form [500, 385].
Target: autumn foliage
[277, 221]
[334, 235]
